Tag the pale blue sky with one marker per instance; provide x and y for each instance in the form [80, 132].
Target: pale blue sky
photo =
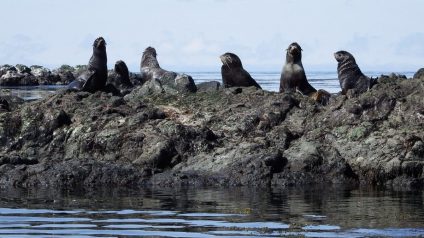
[189, 35]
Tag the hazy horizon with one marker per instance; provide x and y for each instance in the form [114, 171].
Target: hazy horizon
[190, 35]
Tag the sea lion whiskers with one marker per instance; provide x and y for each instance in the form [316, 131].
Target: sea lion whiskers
[226, 60]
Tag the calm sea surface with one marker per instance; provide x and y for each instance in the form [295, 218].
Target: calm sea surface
[236, 212]
[268, 80]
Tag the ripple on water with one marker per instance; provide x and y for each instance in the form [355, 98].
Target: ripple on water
[212, 213]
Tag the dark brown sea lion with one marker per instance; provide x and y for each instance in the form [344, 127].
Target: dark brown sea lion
[124, 76]
[150, 68]
[94, 79]
[233, 74]
[350, 76]
[293, 77]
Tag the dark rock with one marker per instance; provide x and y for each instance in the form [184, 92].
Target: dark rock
[65, 73]
[12, 78]
[185, 84]
[13, 102]
[4, 105]
[5, 68]
[389, 78]
[238, 136]
[45, 76]
[23, 69]
[208, 86]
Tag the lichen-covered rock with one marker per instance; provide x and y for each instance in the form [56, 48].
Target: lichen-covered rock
[66, 74]
[23, 69]
[45, 76]
[5, 68]
[15, 78]
[235, 136]
[185, 84]
[388, 78]
[208, 86]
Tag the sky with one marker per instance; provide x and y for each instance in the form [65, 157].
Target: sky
[190, 35]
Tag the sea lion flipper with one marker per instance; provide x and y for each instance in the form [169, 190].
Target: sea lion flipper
[88, 77]
[76, 84]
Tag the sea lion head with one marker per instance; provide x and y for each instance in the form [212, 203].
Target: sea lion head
[231, 60]
[294, 52]
[149, 58]
[342, 56]
[99, 43]
[150, 51]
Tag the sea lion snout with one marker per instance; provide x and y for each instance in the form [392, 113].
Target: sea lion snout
[336, 56]
[99, 42]
[226, 58]
[294, 48]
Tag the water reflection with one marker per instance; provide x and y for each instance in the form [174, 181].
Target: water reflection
[31, 92]
[209, 212]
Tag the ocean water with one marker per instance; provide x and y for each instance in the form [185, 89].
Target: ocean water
[268, 80]
[213, 212]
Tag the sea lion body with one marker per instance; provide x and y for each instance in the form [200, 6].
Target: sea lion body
[349, 74]
[124, 75]
[150, 68]
[94, 79]
[293, 77]
[233, 73]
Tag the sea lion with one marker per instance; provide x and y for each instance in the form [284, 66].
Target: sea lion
[293, 77]
[94, 79]
[122, 70]
[150, 68]
[350, 76]
[233, 74]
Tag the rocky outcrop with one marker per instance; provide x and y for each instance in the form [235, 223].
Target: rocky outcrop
[21, 75]
[234, 136]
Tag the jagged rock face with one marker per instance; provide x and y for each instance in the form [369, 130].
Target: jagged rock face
[235, 136]
[22, 75]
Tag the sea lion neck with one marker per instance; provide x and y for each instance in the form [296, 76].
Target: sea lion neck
[293, 58]
[149, 61]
